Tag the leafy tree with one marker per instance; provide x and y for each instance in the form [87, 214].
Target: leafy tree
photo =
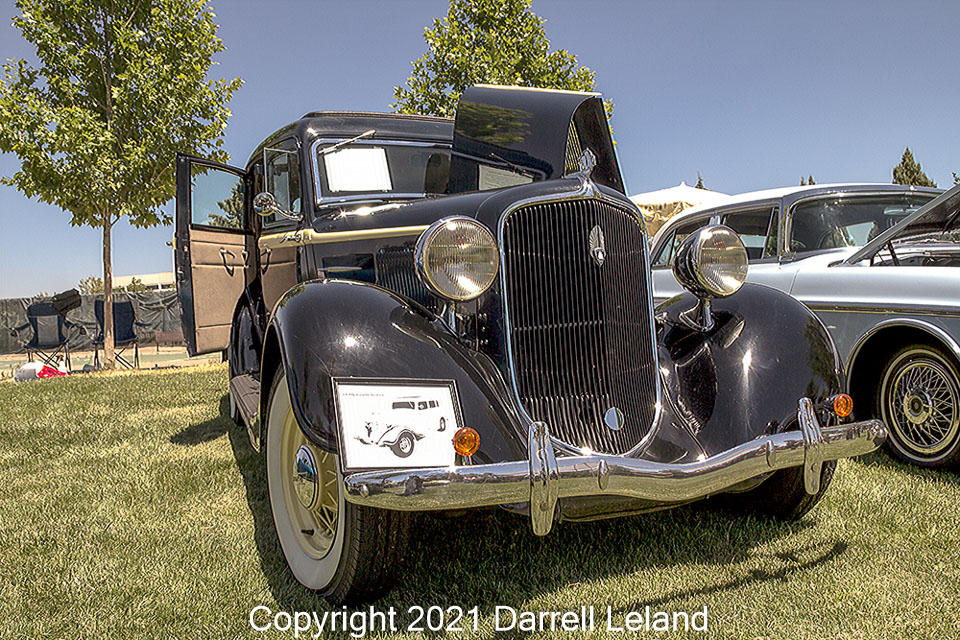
[136, 286]
[120, 87]
[910, 172]
[807, 181]
[810, 180]
[91, 285]
[699, 184]
[803, 181]
[956, 178]
[487, 41]
[94, 285]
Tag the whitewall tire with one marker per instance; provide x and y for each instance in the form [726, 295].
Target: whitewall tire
[347, 553]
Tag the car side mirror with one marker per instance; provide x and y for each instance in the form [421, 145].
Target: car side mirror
[265, 205]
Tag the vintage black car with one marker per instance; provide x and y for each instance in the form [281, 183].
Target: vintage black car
[492, 267]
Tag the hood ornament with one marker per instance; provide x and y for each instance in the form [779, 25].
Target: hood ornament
[598, 246]
[586, 163]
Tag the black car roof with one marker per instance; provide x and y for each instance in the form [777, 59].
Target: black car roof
[346, 124]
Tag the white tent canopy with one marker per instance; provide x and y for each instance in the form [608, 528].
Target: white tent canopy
[659, 206]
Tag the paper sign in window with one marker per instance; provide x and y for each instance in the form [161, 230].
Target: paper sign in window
[360, 169]
[495, 178]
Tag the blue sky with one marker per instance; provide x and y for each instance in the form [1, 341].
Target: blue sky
[750, 94]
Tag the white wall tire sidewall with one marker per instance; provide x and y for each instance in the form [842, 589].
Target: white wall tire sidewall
[310, 572]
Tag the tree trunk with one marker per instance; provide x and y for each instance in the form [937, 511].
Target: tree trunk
[108, 361]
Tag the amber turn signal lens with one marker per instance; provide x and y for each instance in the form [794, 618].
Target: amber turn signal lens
[466, 441]
[842, 405]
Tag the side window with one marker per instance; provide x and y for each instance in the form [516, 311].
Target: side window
[281, 178]
[681, 233]
[216, 198]
[757, 229]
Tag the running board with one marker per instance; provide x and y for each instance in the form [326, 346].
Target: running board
[245, 391]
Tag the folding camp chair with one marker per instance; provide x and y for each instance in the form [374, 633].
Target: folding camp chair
[125, 325]
[51, 333]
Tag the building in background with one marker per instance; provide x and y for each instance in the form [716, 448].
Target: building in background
[152, 281]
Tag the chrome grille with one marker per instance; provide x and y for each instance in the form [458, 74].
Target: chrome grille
[397, 271]
[580, 333]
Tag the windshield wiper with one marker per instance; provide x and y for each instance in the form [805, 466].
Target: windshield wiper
[334, 147]
[521, 170]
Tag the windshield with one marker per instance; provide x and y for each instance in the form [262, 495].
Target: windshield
[381, 168]
[848, 221]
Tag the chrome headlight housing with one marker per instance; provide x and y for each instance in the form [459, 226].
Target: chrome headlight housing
[457, 258]
[711, 263]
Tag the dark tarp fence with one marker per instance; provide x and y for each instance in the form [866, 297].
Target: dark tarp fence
[159, 310]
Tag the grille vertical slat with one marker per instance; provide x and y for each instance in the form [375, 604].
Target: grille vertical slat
[580, 332]
[396, 270]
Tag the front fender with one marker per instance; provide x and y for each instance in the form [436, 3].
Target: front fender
[743, 378]
[338, 328]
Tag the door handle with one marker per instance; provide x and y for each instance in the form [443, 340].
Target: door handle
[223, 256]
[265, 260]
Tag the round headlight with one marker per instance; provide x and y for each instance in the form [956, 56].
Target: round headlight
[711, 263]
[457, 258]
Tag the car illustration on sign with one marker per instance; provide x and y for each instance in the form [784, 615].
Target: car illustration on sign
[876, 264]
[361, 264]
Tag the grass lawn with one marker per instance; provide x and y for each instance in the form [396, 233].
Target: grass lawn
[131, 507]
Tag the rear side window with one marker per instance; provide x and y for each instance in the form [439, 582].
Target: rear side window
[757, 229]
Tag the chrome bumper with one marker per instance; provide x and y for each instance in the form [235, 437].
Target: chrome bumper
[545, 478]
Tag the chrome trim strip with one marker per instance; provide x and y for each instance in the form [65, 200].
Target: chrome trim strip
[948, 310]
[913, 323]
[332, 200]
[543, 478]
[309, 236]
[586, 191]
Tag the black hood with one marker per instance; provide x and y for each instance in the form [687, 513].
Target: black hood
[536, 133]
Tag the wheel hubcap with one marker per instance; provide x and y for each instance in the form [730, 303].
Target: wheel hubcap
[922, 406]
[305, 478]
[917, 406]
[311, 489]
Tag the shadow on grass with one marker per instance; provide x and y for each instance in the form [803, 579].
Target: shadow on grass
[881, 458]
[791, 563]
[491, 557]
[205, 431]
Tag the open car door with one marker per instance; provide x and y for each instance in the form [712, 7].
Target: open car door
[211, 250]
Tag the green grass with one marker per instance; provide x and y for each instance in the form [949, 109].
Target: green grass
[130, 507]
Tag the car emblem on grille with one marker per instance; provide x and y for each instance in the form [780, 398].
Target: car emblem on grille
[598, 246]
[613, 418]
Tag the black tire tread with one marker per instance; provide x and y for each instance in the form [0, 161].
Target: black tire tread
[783, 495]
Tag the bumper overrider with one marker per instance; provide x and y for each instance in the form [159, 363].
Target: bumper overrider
[545, 478]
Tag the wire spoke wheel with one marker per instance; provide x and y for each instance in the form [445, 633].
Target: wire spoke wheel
[310, 490]
[920, 402]
[304, 487]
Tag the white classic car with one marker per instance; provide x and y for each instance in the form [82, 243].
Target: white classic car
[876, 263]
